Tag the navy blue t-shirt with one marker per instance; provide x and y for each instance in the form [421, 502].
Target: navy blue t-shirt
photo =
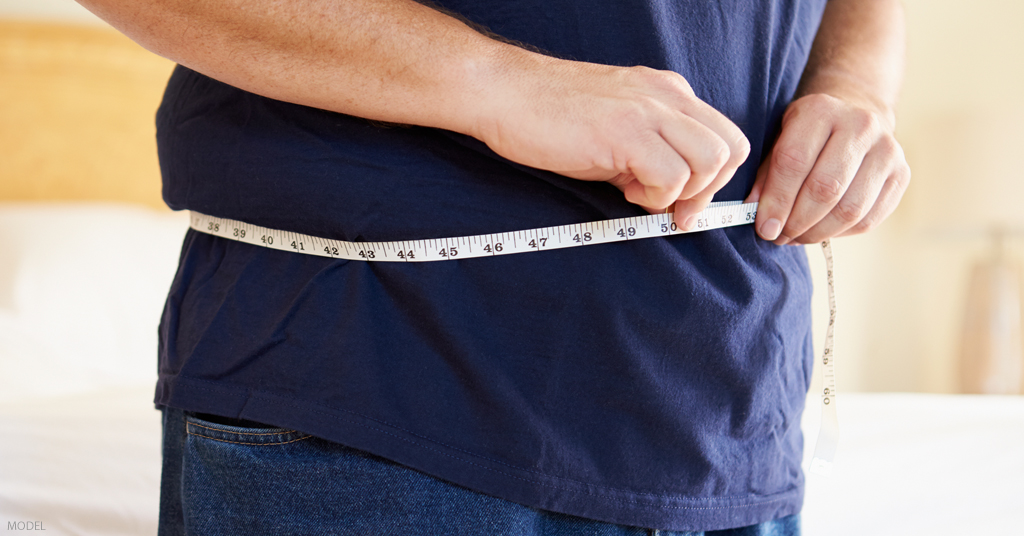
[656, 382]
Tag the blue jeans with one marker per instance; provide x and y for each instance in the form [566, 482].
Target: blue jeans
[231, 477]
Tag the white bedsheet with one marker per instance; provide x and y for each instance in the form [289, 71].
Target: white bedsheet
[919, 464]
[908, 464]
[82, 464]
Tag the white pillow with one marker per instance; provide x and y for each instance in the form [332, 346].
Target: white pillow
[82, 286]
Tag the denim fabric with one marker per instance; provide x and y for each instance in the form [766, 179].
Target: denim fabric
[232, 477]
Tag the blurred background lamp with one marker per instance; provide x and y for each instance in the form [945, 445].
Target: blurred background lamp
[990, 353]
[971, 190]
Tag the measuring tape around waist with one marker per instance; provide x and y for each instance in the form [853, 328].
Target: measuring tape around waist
[715, 216]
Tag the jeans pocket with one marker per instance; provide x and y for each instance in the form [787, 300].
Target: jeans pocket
[240, 432]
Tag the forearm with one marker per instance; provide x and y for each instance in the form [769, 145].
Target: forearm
[389, 60]
[858, 54]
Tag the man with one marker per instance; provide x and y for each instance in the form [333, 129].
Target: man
[617, 389]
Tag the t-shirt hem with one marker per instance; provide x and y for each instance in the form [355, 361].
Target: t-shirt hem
[522, 486]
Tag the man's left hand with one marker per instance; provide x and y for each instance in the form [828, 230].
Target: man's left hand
[835, 170]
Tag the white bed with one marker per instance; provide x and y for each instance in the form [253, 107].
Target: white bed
[81, 289]
[921, 464]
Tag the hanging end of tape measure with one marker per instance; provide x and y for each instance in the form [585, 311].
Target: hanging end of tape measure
[824, 455]
[828, 441]
[821, 467]
[828, 435]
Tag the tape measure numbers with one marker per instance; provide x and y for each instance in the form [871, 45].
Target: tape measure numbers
[715, 216]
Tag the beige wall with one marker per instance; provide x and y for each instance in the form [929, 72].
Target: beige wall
[77, 107]
[902, 288]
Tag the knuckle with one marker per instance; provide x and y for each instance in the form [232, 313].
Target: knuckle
[791, 161]
[670, 80]
[739, 149]
[824, 187]
[902, 177]
[707, 163]
[862, 227]
[849, 212]
[791, 230]
[864, 123]
[890, 149]
[677, 82]
[718, 155]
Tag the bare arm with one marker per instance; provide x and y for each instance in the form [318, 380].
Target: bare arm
[376, 59]
[836, 168]
[398, 61]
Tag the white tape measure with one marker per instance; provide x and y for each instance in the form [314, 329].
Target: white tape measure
[716, 216]
[828, 434]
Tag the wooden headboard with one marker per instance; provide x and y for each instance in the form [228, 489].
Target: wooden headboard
[77, 107]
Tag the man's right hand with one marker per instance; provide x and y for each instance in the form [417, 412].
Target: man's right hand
[640, 129]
